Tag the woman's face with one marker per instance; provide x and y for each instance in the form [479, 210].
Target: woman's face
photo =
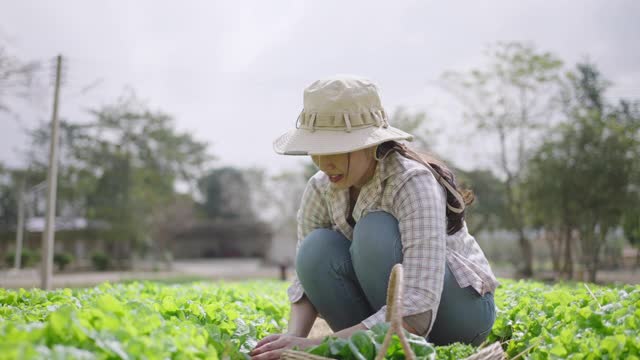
[348, 169]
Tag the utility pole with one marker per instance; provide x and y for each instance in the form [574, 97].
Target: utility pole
[20, 228]
[48, 235]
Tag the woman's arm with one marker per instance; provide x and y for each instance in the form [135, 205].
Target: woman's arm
[303, 315]
[312, 214]
[301, 319]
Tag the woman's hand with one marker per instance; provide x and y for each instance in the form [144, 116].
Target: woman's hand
[272, 346]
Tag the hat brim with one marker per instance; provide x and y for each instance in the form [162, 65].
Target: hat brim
[329, 142]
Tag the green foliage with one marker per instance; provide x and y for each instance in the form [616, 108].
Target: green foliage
[563, 321]
[454, 351]
[11, 180]
[510, 99]
[363, 345]
[278, 196]
[100, 261]
[119, 167]
[582, 176]
[227, 194]
[8, 202]
[567, 321]
[140, 321]
[631, 227]
[62, 260]
[489, 210]
[28, 258]
[225, 320]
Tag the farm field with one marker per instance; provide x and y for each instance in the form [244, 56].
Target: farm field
[149, 320]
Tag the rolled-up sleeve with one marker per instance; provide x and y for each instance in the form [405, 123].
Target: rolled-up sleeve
[312, 214]
[419, 205]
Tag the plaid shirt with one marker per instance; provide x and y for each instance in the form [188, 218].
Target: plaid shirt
[407, 190]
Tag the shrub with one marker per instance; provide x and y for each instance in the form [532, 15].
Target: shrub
[100, 261]
[10, 259]
[62, 260]
[28, 258]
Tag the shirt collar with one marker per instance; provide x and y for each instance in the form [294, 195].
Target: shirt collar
[385, 167]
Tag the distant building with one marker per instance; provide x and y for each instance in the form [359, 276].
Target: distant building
[222, 238]
[76, 236]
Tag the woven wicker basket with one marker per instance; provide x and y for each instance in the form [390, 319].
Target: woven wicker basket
[394, 301]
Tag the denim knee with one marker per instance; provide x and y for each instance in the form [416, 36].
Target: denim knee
[321, 249]
[376, 236]
[325, 271]
[375, 250]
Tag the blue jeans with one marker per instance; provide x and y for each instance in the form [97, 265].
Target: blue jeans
[347, 281]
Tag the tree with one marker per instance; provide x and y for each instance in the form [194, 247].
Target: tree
[630, 114]
[510, 99]
[7, 199]
[548, 186]
[10, 181]
[631, 226]
[414, 124]
[276, 199]
[16, 78]
[604, 170]
[176, 217]
[488, 210]
[227, 194]
[582, 178]
[122, 165]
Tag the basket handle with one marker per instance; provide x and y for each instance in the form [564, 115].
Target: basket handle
[394, 316]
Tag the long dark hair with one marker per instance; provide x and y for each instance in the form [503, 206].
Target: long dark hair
[455, 219]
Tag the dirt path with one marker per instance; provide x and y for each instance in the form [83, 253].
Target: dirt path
[210, 269]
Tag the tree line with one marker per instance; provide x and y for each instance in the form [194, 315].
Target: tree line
[568, 156]
[565, 166]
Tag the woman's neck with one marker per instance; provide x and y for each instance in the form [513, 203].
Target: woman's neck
[354, 190]
[353, 193]
[366, 178]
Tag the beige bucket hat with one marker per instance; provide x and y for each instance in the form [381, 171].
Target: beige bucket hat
[341, 114]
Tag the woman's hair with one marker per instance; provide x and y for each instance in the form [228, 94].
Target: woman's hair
[454, 220]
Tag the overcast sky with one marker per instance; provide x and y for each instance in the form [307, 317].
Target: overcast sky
[233, 72]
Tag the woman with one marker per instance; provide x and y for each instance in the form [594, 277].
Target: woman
[373, 204]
